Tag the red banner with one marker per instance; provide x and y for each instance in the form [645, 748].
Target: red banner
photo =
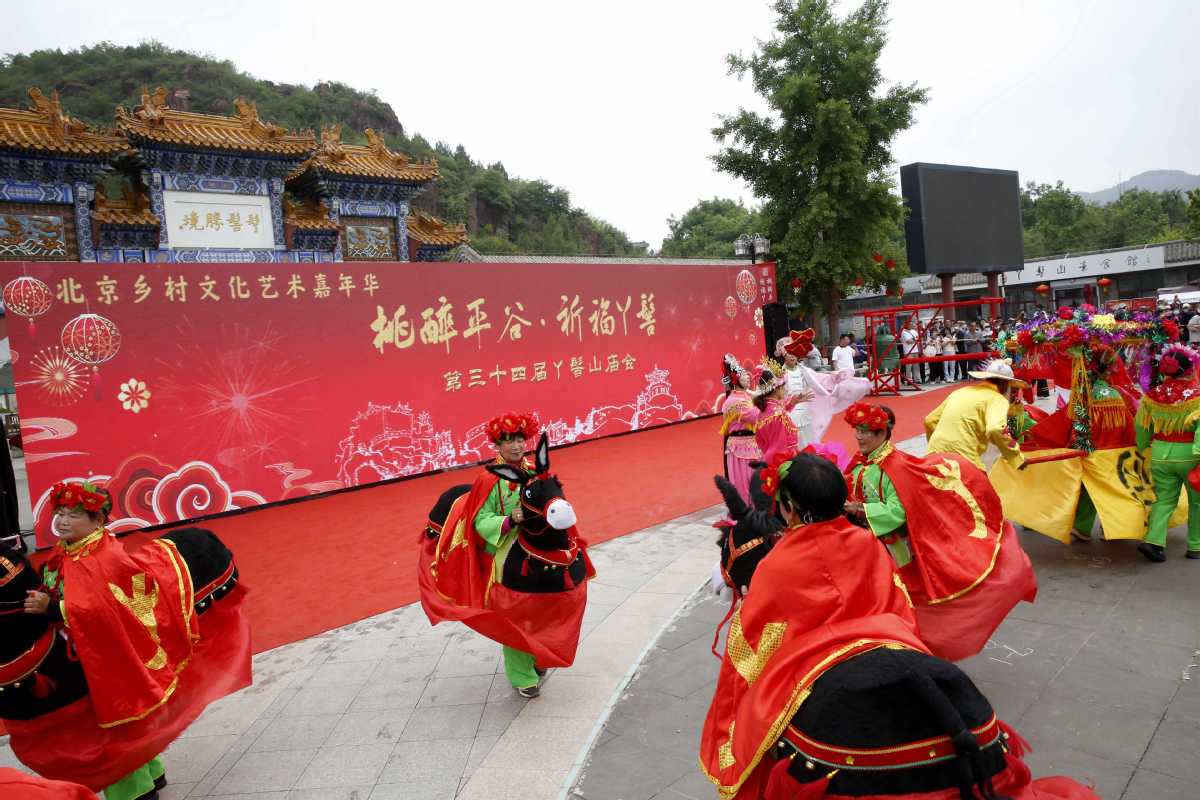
[191, 390]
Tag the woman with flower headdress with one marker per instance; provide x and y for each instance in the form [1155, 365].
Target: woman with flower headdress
[737, 428]
[776, 431]
[1168, 421]
[959, 558]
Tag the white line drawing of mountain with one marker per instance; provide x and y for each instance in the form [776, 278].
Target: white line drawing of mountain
[393, 441]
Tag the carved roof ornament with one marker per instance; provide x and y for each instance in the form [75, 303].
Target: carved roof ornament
[376, 143]
[247, 112]
[45, 127]
[153, 107]
[331, 143]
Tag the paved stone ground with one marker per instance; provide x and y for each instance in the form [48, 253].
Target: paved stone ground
[1101, 675]
[390, 707]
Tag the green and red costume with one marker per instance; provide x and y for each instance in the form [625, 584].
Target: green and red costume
[1168, 422]
[460, 572]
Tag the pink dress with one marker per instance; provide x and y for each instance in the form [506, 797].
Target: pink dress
[737, 433]
[776, 432]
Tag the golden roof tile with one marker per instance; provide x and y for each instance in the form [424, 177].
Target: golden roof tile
[310, 216]
[245, 132]
[430, 230]
[46, 128]
[132, 209]
[372, 160]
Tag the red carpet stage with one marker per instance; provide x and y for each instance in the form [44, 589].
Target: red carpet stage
[327, 562]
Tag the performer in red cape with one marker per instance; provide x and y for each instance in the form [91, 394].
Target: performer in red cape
[825, 593]
[826, 689]
[460, 573]
[151, 665]
[959, 558]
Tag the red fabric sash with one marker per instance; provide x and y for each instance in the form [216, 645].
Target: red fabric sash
[825, 593]
[16, 785]
[954, 520]
[70, 745]
[131, 620]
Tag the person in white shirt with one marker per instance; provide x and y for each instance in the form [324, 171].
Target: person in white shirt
[842, 356]
[797, 383]
[909, 344]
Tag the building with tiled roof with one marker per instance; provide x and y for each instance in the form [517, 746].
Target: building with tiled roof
[49, 163]
[205, 188]
[429, 237]
[368, 189]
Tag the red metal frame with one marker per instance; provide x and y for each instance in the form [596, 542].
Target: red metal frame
[889, 382]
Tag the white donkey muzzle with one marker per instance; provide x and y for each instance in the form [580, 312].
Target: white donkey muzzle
[560, 514]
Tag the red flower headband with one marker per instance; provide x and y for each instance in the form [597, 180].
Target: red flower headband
[774, 472]
[867, 415]
[76, 496]
[512, 424]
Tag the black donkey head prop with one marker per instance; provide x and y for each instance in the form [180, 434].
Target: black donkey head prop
[547, 555]
[755, 530]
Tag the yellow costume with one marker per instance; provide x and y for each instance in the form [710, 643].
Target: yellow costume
[968, 420]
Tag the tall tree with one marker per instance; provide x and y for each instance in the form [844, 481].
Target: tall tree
[820, 157]
[708, 229]
[1193, 214]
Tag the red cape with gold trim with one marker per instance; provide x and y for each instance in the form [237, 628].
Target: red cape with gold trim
[454, 572]
[74, 743]
[827, 592]
[968, 568]
[131, 619]
[954, 520]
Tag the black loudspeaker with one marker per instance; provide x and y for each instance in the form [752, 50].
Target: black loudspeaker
[775, 325]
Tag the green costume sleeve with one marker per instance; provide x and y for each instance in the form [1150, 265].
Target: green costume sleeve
[489, 520]
[883, 509]
[1143, 433]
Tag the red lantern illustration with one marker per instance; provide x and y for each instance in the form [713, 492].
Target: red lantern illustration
[747, 287]
[91, 339]
[27, 297]
[731, 307]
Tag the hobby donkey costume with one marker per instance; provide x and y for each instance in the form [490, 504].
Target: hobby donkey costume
[511, 565]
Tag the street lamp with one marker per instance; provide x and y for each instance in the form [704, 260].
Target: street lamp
[753, 246]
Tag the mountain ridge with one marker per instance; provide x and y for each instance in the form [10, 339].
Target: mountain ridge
[1155, 180]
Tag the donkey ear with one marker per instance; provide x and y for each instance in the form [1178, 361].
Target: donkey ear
[508, 473]
[541, 458]
[733, 498]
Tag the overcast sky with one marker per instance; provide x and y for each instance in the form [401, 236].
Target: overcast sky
[615, 101]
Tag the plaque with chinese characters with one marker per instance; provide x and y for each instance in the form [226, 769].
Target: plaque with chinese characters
[217, 220]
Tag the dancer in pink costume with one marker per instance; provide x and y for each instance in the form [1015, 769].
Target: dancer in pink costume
[737, 430]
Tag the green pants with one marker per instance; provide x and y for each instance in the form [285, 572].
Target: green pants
[136, 783]
[1085, 513]
[1169, 477]
[519, 668]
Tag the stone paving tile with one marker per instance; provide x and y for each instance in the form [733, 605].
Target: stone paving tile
[1150, 785]
[265, 772]
[428, 760]
[296, 733]
[1110, 777]
[439, 788]
[354, 765]
[190, 759]
[369, 727]
[442, 722]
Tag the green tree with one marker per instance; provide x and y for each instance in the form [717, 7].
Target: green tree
[1193, 214]
[708, 229]
[820, 157]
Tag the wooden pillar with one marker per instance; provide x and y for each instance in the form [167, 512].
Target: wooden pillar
[948, 295]
[993, 290]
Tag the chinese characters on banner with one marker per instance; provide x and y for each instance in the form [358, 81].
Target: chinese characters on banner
[222, 387]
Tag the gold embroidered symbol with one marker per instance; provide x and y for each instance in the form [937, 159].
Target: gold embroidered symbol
[142, 605]
[951, 481]
[725, 758]
[896, 579]
[749, 663]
